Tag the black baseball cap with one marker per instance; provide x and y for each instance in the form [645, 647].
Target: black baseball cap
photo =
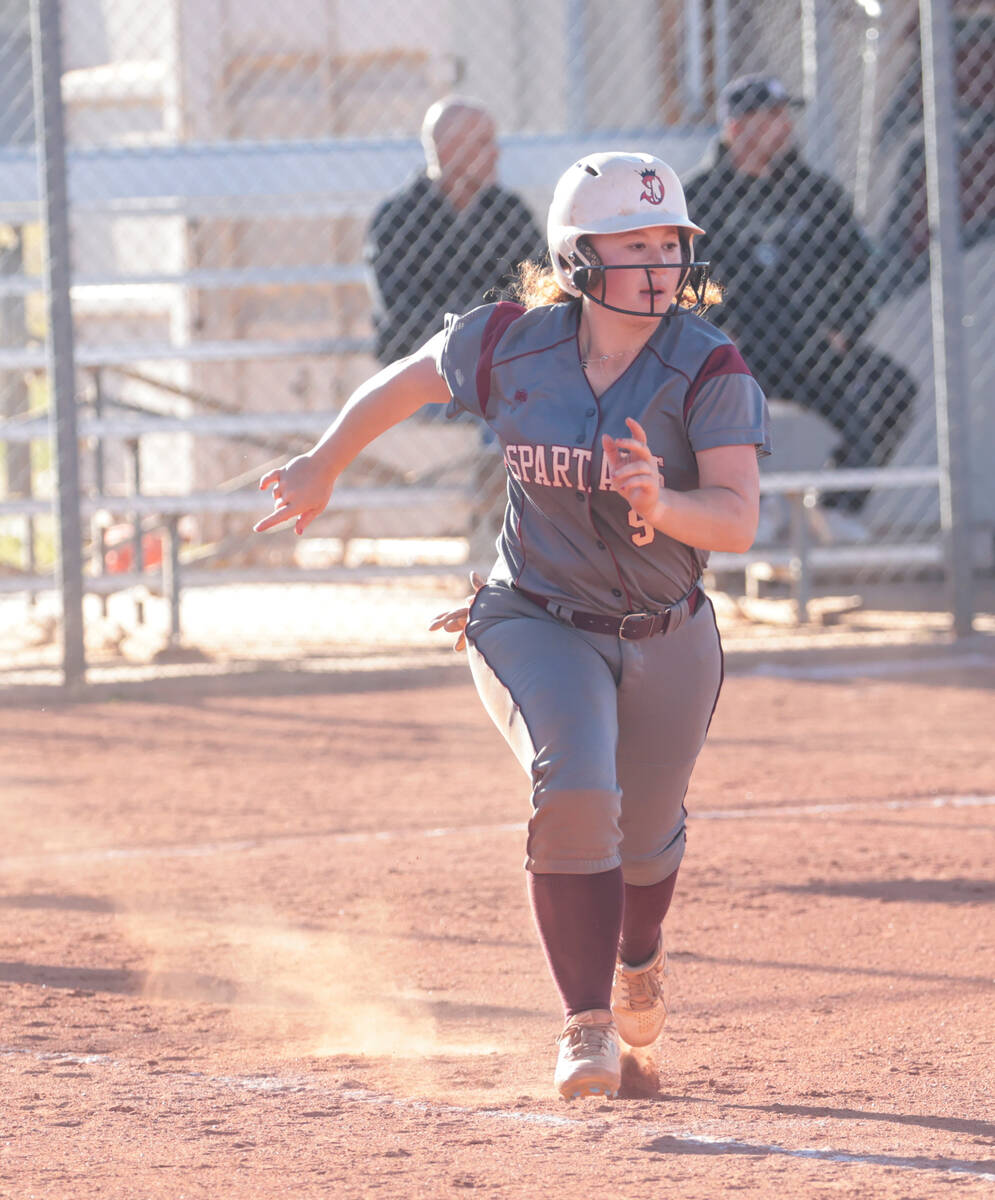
[751, 93]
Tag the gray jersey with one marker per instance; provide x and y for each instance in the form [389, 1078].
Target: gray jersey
[566, 535]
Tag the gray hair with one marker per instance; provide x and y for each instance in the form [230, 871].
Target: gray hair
[441, 116]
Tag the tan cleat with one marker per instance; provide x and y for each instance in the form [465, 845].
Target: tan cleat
[639, 1004]
[589, 1062]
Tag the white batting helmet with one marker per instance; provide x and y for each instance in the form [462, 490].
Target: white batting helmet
[612, 192]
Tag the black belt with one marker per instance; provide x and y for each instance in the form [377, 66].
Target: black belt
[632, 627]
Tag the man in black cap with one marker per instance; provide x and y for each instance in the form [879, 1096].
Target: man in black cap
[797, 268]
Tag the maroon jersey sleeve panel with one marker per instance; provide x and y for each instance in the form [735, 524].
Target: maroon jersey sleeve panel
[724, 360]
[505, 312]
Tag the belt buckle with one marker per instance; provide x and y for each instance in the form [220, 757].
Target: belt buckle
[642, 627]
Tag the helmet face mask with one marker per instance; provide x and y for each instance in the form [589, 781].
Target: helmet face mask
[590, 278]
[618, 192]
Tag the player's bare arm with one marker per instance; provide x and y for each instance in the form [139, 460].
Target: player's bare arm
[302, 488]
[720, 514]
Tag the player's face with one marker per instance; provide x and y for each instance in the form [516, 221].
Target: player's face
[651, 290]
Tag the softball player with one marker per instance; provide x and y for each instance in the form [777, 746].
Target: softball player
[631, 430]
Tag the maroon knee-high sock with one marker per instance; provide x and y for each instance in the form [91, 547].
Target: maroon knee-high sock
[579, 918]
[645, 908]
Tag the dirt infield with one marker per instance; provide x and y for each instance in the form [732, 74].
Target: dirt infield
[261, 944]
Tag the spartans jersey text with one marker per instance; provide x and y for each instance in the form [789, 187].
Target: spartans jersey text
[557, 466]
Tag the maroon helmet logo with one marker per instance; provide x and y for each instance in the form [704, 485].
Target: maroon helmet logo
[652, 187]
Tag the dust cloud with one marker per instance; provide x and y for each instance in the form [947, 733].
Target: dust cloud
[305, 992]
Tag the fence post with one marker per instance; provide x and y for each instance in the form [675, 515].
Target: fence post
[171, 578]
[575, 30]
[46, 53]
[98, 530]
[137, 545]
[945, 275]
[818, 69]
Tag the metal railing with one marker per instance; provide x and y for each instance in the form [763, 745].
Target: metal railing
[801, 489]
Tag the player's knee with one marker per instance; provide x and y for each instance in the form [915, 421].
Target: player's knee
[657, 863]
[574, 831]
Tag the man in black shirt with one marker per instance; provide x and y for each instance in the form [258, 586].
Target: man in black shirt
[450, 236]
[783, 240]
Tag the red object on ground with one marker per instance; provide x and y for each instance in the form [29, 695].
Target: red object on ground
[119, 551]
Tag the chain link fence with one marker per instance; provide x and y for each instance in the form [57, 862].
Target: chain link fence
[268, 200]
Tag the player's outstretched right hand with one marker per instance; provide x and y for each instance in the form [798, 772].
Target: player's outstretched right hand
[301, 490]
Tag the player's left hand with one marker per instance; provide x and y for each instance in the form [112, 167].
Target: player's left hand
[455, 620]
[635, 473]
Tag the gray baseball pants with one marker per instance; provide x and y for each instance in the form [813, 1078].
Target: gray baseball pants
[607, 730]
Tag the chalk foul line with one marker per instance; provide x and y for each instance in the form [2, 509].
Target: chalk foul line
[670, 1140]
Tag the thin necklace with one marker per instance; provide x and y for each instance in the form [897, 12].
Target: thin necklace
[586, 362]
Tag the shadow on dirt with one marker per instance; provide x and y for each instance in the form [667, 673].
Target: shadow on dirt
[62, 903]
[946, 1124]
[171, 985]
[894, 891]
[701, 1146]
[823, 968]
[197, 987]
[287, 679]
